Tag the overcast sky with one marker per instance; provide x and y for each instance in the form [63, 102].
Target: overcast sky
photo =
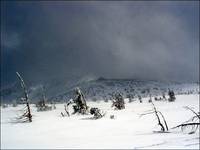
[146, 40]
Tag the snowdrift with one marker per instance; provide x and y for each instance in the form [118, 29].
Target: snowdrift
[127, 130]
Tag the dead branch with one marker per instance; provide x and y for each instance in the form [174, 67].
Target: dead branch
[26, 97]
[186, 124]
[157, 113]
[159, 122]
[193, 119]
[190, 123]
[62, 114]
[145, 114]
[66, 110]
[164, 120]
[186, 107]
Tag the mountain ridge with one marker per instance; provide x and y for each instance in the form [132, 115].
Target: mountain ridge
[97, 88]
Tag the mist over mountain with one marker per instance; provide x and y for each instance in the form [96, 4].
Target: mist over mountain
[97, 89]
[71, 40]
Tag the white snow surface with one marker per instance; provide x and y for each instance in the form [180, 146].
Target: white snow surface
[128, 130]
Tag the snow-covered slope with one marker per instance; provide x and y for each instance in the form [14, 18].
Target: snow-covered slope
[127, 130]
[95, 89]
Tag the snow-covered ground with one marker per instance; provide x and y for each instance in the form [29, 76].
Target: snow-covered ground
[127, 130]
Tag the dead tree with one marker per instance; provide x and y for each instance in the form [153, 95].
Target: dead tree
[27, 114]
[171, 96]
[67, 112]
[193, 123]
[157, 114]
[41, 105]
[118, 103]
[140, 98]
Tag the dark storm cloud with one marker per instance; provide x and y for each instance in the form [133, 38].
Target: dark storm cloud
[148, 40]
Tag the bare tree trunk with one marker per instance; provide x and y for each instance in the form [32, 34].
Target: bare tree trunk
[26, 97]
[157, 113]
[66, 111]
[164, 121]
[159, 122]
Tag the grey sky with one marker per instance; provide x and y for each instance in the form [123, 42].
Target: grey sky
[146, 40]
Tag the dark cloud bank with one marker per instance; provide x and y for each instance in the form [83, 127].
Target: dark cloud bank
[146, 40]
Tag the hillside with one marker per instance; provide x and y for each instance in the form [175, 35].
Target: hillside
[95, 89]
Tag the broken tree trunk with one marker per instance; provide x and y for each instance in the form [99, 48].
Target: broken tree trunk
[66, 111]
[28, 112]
[158, 118]
[158, 114]
[164, 121]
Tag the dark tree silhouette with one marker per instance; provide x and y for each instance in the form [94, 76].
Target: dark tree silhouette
[118, 103]
[171, 96]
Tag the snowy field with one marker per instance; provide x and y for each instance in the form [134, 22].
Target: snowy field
[127, 130]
